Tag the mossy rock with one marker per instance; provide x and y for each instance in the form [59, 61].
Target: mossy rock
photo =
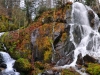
[93, 69]
[39, 65]
[69, 72]
[22, 65]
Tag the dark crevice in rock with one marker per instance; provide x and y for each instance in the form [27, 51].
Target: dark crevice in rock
[57, 37]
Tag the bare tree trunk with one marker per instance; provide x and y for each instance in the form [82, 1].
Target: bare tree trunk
[9, 8]
[48, 3]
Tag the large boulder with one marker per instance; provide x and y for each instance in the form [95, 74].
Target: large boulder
[89, 59]
[84, 60]
[66, 60]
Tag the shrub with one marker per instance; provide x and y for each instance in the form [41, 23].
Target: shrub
[47, 56]
[93, 69]
[69, 72]
[22, 65]
[39, 65]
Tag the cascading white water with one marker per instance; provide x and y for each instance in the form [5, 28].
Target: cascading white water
[79, 14]
[89, 38]
[9, 62]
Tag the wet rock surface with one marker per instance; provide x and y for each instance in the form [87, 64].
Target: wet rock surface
[89, 59]
[91, 17]
[85, 60]
[77, 33]
[1, 58]
[66, 60]
[80, 60]
[69, 46]
[3, 65]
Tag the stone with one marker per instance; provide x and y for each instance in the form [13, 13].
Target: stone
[91, 17]
[77, 33]
[3, 65]
[79, 60]
[98, 15]
[99, 29]
[89, 59]
[78, 67]
[48, 72]
[66, 60]
[67, 29]
[1, 59]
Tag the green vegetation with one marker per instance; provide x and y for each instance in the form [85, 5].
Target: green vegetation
[16, 22]
[69, 72]
[22, 65]
[93, 69]
[90, 2]
[39, 65]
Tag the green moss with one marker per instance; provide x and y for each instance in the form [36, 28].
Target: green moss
[15, 54]
[47, 56]
[3, 36]
[69, 72]
[22, 65]
[93, 69]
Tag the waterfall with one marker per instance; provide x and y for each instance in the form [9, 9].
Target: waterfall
[79, 14]
[6, 59]
[85, 38]
[9, 62]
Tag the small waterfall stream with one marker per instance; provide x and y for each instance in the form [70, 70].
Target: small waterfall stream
[6, 59]
[9, 62]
